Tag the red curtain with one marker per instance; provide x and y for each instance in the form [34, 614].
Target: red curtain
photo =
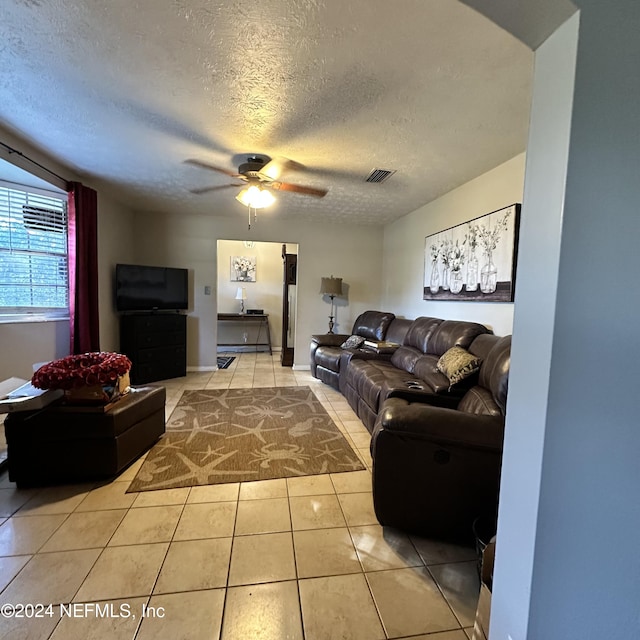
[83, 268]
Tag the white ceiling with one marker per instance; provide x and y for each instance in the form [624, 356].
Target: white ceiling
[124, 91]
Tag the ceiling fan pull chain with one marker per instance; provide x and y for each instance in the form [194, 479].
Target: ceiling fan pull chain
[255, 216]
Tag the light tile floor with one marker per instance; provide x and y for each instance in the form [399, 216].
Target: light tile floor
[298, 558]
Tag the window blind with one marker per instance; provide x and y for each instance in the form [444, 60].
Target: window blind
[33, 251]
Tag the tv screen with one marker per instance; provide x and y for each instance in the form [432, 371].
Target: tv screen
[141, 288]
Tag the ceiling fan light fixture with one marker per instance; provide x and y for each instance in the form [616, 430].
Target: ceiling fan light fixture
[255, 198]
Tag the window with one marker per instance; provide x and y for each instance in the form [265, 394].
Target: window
[33, 252]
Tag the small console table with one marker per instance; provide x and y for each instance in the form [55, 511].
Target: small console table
[262, 319]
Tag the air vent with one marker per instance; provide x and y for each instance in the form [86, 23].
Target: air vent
[379, 175]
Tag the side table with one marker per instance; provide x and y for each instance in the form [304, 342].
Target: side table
[261, 318]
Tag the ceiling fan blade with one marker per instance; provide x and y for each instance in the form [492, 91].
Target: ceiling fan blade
[207, 189]
[296, 188]
[276, 167]
[206, 165]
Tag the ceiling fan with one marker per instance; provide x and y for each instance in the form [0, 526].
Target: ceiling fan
[262, 173]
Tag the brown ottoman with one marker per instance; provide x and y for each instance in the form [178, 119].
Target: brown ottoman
[78, 443]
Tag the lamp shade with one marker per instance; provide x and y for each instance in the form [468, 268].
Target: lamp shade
[255, 197]
[241, 294]
[331, 286]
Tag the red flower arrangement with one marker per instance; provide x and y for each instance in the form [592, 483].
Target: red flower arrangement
[84, 370]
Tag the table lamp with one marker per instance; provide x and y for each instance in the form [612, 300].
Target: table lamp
[241, 295]
[331, 287]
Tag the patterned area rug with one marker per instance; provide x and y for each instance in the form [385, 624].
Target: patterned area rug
[240, 435]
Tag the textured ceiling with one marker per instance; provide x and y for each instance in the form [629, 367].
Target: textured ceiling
[124, 91]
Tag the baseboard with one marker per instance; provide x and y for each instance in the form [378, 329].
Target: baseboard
[212, 367]
[301, 367]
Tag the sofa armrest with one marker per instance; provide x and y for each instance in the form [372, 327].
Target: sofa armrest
[348, 355]
[367, 354]
[419, 421]
[426, 396]
[329, 339]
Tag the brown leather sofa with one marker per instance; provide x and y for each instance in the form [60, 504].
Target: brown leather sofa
[367, 382]
[327, 357]
[436, 469]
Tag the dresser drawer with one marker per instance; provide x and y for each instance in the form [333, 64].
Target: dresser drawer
[156, 345]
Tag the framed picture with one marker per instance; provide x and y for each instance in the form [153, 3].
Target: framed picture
[474, 261]
[243, 269]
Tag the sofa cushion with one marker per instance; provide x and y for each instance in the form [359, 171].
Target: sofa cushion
[483, 344]
[368, 381]
[426, 369]
[352, 342]
[489, 397]
[454, 333]
[479, 401]
[457, 364]
[405, 358]
[372, 325]
[494, 372]
[420, 333]
[397, 330]
[368, 376]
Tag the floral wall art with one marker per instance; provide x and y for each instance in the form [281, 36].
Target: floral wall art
[243, 268]
[474, 261]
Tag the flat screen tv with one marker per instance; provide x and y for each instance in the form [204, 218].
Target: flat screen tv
[142, 288]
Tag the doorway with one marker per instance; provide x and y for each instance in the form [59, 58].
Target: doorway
[262, 286]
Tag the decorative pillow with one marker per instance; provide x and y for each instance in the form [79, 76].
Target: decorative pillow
[457, 364]
[352, 342]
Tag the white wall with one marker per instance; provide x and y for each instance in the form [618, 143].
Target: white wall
[26, 343]
[582, 578]
[403, 263]
[115, 244]
[540, 227]
[586, 584]
[190, 241]
[265, 293]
